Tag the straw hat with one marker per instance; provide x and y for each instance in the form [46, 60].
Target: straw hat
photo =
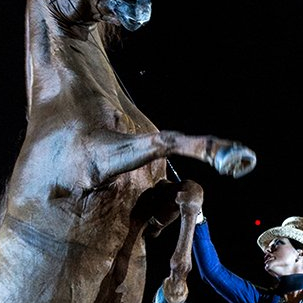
[291, 227]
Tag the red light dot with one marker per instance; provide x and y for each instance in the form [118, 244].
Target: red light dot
[257, 222]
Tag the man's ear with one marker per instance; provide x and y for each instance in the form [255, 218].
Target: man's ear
[300, 252]
[300, 255]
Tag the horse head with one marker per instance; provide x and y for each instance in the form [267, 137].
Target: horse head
[131, 14]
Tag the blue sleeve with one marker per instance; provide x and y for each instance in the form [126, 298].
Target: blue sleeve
[231, 287]
[159, 297]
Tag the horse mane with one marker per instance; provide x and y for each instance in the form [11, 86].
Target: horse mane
[109, 33]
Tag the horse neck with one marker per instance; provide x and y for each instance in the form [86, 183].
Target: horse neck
[46, 40]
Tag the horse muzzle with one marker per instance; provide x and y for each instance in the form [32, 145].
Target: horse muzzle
[131, 14]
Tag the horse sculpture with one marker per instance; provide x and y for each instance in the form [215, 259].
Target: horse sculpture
[90, 180]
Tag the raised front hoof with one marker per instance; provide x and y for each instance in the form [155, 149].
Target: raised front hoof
[235, 160]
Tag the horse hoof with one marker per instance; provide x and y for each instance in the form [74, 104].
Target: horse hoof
[235, 160]
[160, 297]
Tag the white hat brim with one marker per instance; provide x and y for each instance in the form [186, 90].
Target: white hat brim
[279, 232]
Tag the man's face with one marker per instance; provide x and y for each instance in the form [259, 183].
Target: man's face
[281, 258]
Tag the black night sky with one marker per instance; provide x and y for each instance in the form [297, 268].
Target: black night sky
[232, 69]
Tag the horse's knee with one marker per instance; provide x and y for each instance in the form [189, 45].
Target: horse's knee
[190, 197]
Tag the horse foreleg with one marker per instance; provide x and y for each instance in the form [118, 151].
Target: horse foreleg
[174, 288]
[114, 153]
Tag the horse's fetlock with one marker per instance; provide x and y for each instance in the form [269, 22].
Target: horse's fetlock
[180, 267]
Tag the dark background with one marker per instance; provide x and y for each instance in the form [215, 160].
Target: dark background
[228, 68]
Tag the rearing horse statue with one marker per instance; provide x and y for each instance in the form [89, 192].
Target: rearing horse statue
[90, 181]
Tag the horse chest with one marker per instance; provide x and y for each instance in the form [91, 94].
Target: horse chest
[122, 119]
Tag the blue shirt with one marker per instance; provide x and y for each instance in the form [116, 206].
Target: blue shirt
[230, 286]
